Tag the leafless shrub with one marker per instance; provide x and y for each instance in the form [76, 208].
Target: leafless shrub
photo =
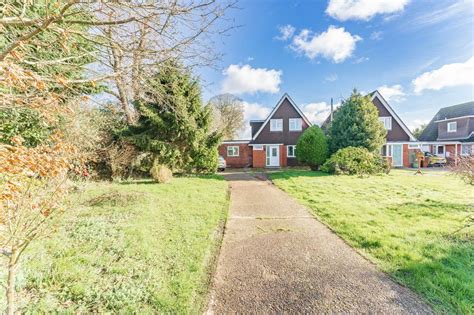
[464, 168]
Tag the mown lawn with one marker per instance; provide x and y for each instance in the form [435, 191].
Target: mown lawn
[408, 225]
[130, 248]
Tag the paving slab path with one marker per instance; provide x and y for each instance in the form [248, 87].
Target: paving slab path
[277, 258]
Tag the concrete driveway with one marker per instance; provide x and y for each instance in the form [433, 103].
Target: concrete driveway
[276, 258]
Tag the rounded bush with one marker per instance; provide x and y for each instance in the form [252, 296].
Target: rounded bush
[160, 173]
[312, 147]
[354, 161]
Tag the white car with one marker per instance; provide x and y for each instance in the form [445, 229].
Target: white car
[221, 163]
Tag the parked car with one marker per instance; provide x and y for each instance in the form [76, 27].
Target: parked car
[434, 160]
[221, 163]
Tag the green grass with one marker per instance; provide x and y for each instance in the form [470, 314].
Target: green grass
[406, 224]
[130, 248]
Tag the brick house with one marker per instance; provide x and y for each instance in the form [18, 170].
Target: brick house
[451, 132]
[273, 142]
[400, 145]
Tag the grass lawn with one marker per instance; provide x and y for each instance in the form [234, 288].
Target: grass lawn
[406, 224]
[130, 248]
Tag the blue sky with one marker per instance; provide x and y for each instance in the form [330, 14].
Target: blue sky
[417, 53]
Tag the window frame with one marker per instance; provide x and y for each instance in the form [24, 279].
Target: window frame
[288, 151]
[469, 150]
[451, 123]
[383, 119]
[437, 150]
[276, 120]
[290, 120]
[233, 147]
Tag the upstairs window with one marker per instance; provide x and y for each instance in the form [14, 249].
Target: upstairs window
[233, 151]
[387, 122]
[452, 126]
[291, 151]
[296, 124]
[276, 124]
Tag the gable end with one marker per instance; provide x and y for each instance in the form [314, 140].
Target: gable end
[275, 109]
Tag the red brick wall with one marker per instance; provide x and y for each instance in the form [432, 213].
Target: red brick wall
[259, 158]
[243, 160]
[406, 156]
[451, 148]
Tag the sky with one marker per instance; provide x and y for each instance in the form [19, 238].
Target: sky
[419, 54]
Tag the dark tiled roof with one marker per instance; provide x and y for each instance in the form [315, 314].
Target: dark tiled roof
[431, 131]
[470, 139]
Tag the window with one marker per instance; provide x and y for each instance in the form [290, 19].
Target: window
[276, 124]
[413, 146]
[387, 122]
[295, 124]
[466, 149]
[258, 147]
[233, 151]
[440, 149]
[452, 126]
[291, 150]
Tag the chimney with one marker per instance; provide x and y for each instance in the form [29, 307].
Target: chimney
[332, 109]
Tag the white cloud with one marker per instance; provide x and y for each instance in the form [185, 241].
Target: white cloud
[335, 44]
[361, 60]
[449, 75]
[245, 79]
[392, 93]
[286, 32]
[344, 10]
[331, 78]
[415, 123]
[457, 13]
[318, 112]
[376, 35]
[252, 111]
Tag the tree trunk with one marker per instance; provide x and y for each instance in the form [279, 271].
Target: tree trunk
[12, 264]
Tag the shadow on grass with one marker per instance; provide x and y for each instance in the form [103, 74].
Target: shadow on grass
[444, 277]
[298, 173]
[150, 181]
[428, 208]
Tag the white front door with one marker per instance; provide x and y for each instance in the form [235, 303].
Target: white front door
[273, 155]
[397, 154]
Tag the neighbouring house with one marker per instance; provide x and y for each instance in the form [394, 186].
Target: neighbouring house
[451, 132]
[400, 146]
[273, 142]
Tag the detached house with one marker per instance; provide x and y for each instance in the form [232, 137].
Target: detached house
[274, 139]
[273, 142]
[451, 132]
[400, 143]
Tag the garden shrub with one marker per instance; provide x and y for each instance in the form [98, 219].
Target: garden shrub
[312, 147]
[354, 161]
[24, 122]
[161, 173]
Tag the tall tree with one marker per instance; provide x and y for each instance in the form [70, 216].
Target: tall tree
[228, 114]
[419, 130]
[173, 124]
[41, 71]
[356, 124]
[133, 36]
